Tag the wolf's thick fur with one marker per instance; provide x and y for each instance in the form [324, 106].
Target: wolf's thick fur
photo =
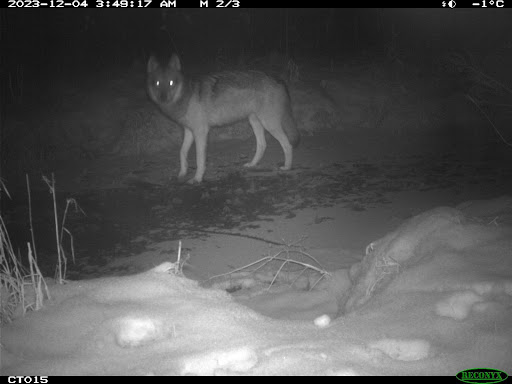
[221, 99]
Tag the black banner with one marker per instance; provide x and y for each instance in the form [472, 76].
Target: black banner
[443, 4]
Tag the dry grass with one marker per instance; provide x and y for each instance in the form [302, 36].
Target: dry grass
[21, 289]
[22, 285]
[62, 260]
[177, 267]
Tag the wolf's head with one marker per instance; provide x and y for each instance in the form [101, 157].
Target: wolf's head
[165, 83]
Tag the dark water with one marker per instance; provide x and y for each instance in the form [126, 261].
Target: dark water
[110, 219]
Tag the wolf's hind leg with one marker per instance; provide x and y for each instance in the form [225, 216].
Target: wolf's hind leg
[287, 148]
[275, 128]
[261, 144]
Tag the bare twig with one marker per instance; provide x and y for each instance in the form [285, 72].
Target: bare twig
[490, 121]
[284, 261]
[30, 217]
[4, 188]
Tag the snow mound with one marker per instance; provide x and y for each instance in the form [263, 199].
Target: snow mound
[134, 331]
[431, 297]
[458, 305]
[387, 257]
[220, 362]
[405, 350]
[439, 251]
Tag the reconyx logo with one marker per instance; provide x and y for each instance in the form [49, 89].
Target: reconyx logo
[481, 375]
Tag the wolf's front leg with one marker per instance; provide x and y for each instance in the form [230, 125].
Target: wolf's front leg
[188, 139]
[201, 137]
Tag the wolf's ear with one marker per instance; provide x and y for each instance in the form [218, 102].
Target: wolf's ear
[152, 64]
[175, 63]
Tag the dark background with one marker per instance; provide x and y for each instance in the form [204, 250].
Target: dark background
[49, 43]
[436, 68]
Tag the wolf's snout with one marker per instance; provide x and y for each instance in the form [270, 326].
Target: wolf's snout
[163, 97]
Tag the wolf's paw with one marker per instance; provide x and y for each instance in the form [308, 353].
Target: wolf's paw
[249, 165]
[193, 181]
[182, 178]
[285, 168]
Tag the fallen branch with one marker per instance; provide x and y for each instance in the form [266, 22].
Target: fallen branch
[260, 263]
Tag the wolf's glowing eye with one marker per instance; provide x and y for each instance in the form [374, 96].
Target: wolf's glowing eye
[171, 83]
[157, 83]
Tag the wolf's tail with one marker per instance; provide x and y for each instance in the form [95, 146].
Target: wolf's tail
[290, 127]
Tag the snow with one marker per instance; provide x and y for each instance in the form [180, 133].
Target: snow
[432, 297]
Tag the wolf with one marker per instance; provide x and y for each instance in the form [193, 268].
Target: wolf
[221, 99]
